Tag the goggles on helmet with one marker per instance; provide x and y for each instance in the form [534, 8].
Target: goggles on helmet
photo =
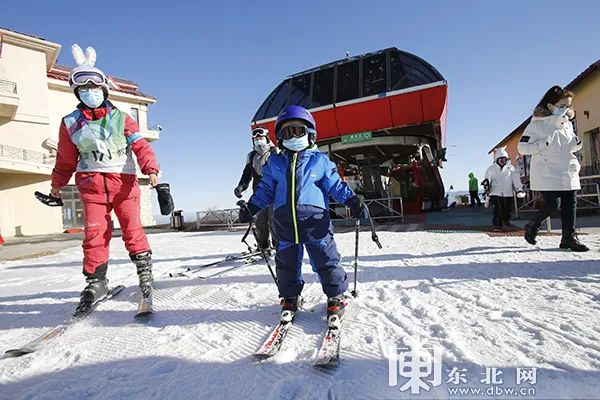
[294, 131]
[83, 77]
[258, 132]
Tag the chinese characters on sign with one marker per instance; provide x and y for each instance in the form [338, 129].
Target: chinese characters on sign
[357, 137]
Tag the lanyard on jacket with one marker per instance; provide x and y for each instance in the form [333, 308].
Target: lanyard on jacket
[86, 122]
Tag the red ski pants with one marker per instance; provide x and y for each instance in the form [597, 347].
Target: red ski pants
[98, 230]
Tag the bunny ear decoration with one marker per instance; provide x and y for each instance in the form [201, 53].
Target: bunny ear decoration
[78, 55]
[90, 56]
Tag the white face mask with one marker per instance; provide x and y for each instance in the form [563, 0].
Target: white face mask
[261, 145]
[560, 111]
[296, 144]
[91, 97]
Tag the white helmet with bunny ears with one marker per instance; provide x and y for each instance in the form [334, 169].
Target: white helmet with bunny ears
[85, 71]
[501, 152]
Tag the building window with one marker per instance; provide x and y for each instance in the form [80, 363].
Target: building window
[72, 207]
[274, 103]
[374, 72]
[135, 114]
[347, 82]
[595, 151]
[300, 91]
[407, 71]
[323, 88]
[398, 73]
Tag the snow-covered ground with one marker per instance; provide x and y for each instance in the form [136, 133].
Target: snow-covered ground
[480, 302]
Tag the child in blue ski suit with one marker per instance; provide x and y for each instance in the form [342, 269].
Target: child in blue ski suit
[298, 183]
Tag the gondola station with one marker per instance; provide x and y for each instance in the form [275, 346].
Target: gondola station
[381, 117]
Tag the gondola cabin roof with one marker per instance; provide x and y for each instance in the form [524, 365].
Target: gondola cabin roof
[376, 74]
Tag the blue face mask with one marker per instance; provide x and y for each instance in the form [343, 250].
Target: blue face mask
[560, 111]
[91, 97]
[296, 144]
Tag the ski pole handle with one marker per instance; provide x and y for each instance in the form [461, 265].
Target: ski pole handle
[376, 239]
[374, 236]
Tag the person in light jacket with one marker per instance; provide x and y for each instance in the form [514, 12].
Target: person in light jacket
[502, 181]
[550, 141]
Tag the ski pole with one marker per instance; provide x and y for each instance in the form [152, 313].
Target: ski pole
[359, 205]
[357, 234]
[246, 236]
[374, 236]
[251, 227]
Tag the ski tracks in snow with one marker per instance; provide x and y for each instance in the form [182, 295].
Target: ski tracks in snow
[484, 301]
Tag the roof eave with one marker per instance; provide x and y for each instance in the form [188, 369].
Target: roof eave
[50, 49]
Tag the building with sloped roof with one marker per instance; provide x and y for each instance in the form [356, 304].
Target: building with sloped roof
[586, 104]
[34, 96]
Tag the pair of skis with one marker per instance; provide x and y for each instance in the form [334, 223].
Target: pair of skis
[329, 352]
[249, 257]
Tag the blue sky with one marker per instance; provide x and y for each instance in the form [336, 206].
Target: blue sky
[211, 64]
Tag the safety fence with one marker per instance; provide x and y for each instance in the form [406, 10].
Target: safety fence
[17, 153]
[8, 87]
[383, 208]
[588, 198]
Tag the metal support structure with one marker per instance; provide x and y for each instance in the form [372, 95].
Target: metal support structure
[386, 202]
[219, 218]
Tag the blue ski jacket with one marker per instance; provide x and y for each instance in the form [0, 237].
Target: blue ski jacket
[298, 185]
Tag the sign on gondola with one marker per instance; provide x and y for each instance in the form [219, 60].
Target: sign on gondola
[357, 137]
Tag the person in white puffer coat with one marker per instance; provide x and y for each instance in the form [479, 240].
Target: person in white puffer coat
[550, 141]
[502, 181]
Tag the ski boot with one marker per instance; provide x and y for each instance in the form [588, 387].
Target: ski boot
[497, 223]
[531, 231]
[96, 289]
[143, 263]
[336, 306]
[571, 241]
[266, 249]
[289, 307]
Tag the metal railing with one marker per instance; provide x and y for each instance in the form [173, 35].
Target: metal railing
[8, 87]
[588, 197]
[385, 204]
[17, 153]
[228, 217]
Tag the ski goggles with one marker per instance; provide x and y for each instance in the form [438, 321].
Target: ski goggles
[294, 131]
[259, 132]
[83, 77]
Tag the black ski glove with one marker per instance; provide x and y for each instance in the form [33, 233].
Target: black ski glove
[238, 191]
[358, 209]
[247, 211]
[165, 200]
[48, 199]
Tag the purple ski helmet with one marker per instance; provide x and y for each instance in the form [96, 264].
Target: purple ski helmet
[295, 112]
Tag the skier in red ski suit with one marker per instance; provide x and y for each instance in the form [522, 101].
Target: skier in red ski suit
[97, 141]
